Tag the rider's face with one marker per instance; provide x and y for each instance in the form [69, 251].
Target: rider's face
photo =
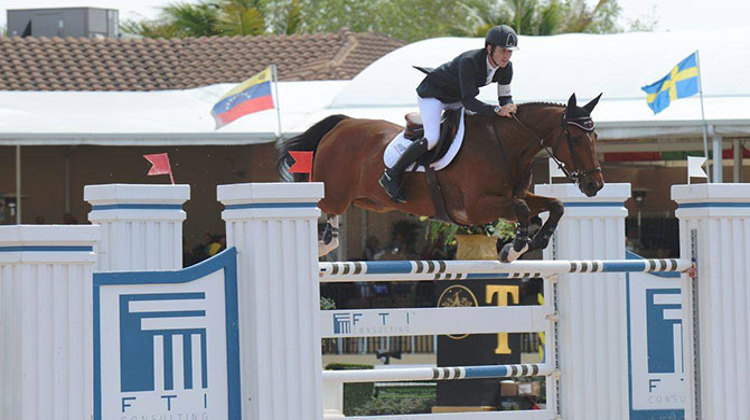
[501, 56]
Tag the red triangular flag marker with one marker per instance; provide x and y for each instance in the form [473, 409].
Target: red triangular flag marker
[159, 165]
[302, 163]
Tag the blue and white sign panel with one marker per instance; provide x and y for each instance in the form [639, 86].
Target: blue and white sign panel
[166, 343]
[657, 367]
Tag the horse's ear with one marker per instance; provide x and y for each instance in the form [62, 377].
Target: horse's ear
[572, 102]
[590, 106]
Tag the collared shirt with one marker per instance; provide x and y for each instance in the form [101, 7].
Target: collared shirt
[490, 71]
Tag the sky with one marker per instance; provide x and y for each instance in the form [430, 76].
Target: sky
[671, 15]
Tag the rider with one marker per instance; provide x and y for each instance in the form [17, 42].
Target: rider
[456, 84]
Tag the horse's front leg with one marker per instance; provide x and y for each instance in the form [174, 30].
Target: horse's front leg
[490, 208]
[539, 204]
[521, 242]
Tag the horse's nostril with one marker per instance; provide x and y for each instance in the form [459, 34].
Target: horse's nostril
[591, 187]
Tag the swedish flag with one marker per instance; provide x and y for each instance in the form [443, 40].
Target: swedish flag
[681, 82]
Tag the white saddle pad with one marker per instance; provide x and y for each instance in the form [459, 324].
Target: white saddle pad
[397, 146]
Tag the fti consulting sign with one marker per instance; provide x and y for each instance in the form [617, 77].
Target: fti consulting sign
[657, 367]
[166, 343]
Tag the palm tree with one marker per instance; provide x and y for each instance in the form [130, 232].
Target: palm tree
[482, 15]
[148, 29]
[600, 19]
[200, 19]
[551, 18]
[178, 20]
[290, 21]
[535, 17]
[209, 18]
[242, 17]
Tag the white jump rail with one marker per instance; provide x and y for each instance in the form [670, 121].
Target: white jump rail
[438, 373]
[372, 271]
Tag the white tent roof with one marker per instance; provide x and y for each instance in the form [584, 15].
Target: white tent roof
[147, 118]
[551, 68]
[545, 69]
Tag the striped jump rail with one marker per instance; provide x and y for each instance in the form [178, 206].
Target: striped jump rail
[438, 373]
[468, 270]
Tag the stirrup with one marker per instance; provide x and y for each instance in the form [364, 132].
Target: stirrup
[387, 182]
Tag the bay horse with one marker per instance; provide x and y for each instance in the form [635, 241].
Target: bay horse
[488, 179]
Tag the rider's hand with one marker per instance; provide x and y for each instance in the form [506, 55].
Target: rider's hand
[507, 110]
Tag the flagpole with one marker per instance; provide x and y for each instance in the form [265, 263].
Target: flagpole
[703, 114]
[276, 103]
[18, 184]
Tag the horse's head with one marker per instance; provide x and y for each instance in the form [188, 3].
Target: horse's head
[578, 153]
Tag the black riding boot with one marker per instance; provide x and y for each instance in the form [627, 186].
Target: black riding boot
[391, 179]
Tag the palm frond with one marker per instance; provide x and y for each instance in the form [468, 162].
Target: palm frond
[550, 19]
[193, 19]
[237, 19]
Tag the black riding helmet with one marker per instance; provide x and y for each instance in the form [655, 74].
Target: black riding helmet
[502, 36]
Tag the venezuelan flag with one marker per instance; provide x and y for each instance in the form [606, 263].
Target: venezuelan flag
[681, 82]
[252, 95]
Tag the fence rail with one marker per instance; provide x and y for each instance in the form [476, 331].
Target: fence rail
[420, 344]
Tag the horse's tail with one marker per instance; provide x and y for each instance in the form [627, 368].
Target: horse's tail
[305, 142]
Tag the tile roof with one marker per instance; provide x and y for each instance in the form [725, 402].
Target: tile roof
[162, 64]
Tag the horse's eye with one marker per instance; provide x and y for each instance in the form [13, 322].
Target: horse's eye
[575, 139]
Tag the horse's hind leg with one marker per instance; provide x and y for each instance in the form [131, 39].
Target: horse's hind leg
[329, 237]
[539, 204]
[335, 202]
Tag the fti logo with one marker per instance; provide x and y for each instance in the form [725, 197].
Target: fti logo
[165, 347]
[370, 323]
[664, 324]
[166, 343]
[342, 322]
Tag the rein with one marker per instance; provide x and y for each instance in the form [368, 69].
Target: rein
[585, 124]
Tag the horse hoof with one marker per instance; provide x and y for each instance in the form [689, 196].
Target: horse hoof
[327, 236]
[504, 253]
[509, 254]
[323, 249]
[326, 248]
[541, 239]
[539, 242]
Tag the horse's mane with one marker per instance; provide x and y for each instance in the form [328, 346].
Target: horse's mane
[574, 113]
[536, 104]
[530, 104]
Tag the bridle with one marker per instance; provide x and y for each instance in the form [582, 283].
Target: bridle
[584, 123]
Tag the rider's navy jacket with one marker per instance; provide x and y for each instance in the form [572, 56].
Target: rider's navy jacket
[459, 80]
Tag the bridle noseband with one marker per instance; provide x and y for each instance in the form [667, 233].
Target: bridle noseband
[584, 123]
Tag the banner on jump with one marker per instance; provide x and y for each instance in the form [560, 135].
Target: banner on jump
[657, 366]
[166, 343]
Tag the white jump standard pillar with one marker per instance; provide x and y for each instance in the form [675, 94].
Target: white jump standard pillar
[46, 322]
[141, 225]
[592, 308]
[274, 228]
[715, 227]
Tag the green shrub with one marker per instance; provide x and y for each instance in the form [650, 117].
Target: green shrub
[355, 395]
[395, 404]
[327, 304]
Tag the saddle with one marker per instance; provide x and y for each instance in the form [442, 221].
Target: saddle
[448, 128]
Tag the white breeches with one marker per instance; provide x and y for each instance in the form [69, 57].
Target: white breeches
[431, 110]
